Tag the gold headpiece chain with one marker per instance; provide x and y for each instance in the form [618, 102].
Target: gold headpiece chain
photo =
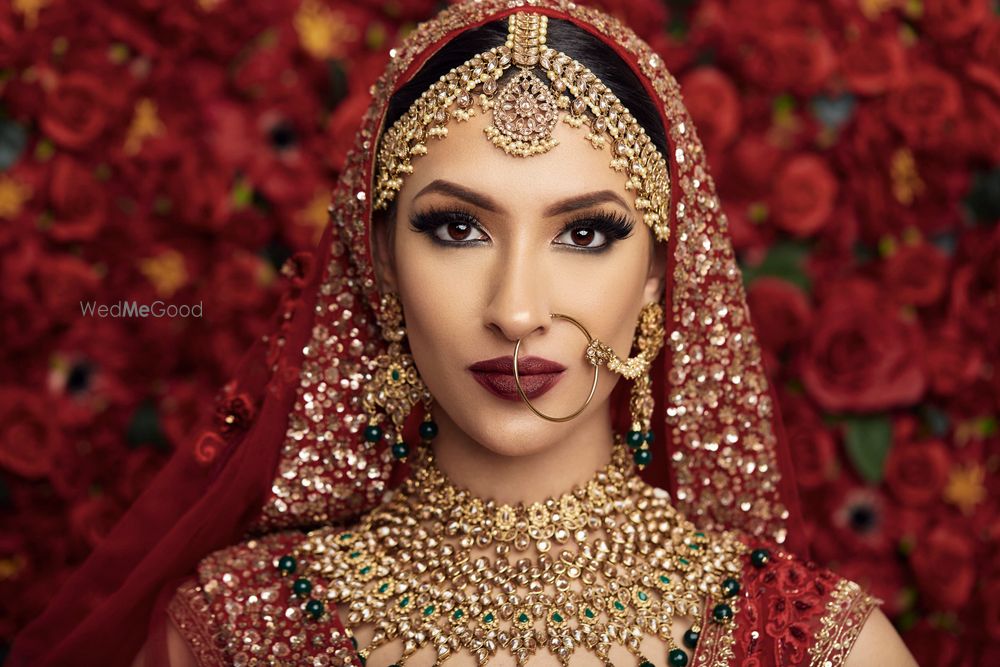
[525, 112]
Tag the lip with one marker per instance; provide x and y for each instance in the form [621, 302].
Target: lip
[537, 376]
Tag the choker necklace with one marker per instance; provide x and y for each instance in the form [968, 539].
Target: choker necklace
[613, 561]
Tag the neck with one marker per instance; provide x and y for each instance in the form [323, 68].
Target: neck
[525, 478]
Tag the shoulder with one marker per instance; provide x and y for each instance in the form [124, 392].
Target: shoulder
[263, 605]
[794, 612]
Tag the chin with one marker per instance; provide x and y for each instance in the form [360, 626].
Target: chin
[507, 435]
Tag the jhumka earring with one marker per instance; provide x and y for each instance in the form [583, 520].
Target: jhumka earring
[649, 340]
[395, 386]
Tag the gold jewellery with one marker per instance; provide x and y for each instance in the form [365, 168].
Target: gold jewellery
[525, 111]
[649, 340]
[599, 566]
[395, 386]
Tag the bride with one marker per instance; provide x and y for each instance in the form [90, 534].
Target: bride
[439, 463]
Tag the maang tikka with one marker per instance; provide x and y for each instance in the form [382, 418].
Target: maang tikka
[395, 386]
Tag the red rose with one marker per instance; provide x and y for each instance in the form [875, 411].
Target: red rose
[790, 60]
[944, 565]
[975, 288]
[952, 361]
[916, 274]
[953, 19]
[803, 196]
[714, 105]
[924, 106]
[814, 452]
[753, 161]
[781, 311]
[199, 191]
[916, 472]
[79, 202]
[66, 281]
[28, 439]
[241, 281]
[861, 356]
[75, 112]
[871, 64]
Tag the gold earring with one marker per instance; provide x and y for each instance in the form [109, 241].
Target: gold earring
[395, 385]
[649, 340]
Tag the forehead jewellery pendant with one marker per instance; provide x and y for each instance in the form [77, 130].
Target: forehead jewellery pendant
[593, 387]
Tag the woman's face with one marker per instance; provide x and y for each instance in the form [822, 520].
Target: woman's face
[485, 247]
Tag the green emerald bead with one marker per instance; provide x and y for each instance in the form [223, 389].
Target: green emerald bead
[286, 565]
[730, 587]
[634, 439]
[645, 663]
[760, 557]
[428, 610]
[428, 430]
[302, 587]
[364, 660]
[619, 606]
[588, 612]
[649, 437]
[405, 601]
[395, 375]
[373, 434]
[722, 612]
[684, 561]
[664, 578]
[642, 596]
[400, 450]
[346, 536]
[314, 608]
[458, 614]
[355, 554]
[677, 658]
[365, 570]
[523, 618]
[642, 456]
[691, 638]
[383, 588]
[557, 617]
[700, 534]
[354, 642]
[488, 618]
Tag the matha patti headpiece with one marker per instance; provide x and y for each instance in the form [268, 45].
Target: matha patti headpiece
[525, 112]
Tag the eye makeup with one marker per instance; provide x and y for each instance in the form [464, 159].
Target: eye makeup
[612, 226]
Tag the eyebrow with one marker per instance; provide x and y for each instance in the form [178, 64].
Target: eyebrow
[484, 202]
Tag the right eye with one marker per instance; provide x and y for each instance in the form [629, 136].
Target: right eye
[449, 227]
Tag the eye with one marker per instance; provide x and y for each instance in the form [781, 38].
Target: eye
[449, 227]
[595, 232]
[583, 237]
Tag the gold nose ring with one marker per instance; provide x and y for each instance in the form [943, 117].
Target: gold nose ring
[593, 388]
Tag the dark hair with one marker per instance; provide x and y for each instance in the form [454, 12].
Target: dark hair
[560, 35]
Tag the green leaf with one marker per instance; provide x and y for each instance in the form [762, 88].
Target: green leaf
[784, 259]
[868, 440]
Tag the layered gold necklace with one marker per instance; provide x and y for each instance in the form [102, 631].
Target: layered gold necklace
[612, 561]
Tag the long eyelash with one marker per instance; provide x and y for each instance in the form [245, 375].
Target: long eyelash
[615, 226]
[427, 222]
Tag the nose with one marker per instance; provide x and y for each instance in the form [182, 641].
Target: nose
[518, 306]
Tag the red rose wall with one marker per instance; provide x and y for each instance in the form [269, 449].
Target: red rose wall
[180, 151]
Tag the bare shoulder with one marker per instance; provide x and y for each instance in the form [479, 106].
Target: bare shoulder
[179, 652]
[878, 643]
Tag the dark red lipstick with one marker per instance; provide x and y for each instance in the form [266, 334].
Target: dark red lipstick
[537, 375]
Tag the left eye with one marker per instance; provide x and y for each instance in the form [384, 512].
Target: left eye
[583, 237]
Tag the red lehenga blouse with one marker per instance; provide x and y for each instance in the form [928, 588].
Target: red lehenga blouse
[294, 412]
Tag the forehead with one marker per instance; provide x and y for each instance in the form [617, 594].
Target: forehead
[466, 156]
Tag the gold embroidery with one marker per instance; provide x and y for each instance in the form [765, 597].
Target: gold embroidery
[189, 610]
[845, 615]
